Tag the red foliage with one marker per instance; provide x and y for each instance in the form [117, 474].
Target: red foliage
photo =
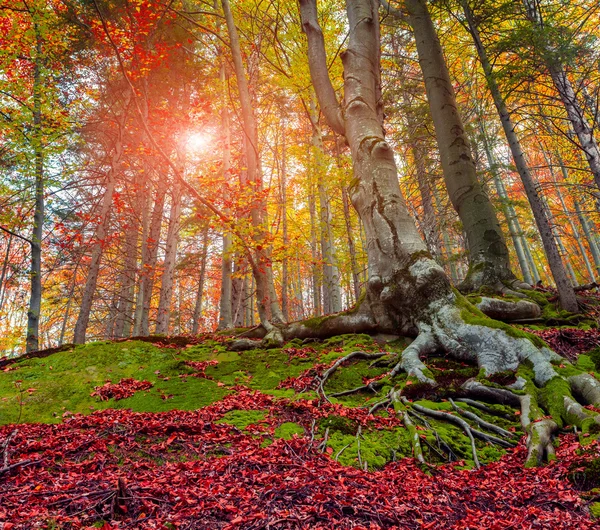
[201, 366]
[569, 342]
[146, 470]
[123, 389]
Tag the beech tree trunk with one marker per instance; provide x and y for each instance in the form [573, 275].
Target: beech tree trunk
[568, 300]
[489, 263]
[225, 302]
[197, 316]
[285, 309]
[268, 308]
[149, 258]
[166, 288]
[35, 274]
[127, 277]
[512, 220]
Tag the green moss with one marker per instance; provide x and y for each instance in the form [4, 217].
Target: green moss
[242, 418]
[595, 510]
[594, 356]
[287, 430]
[377, 448]
[474, 316]
[339, 423]
[64, 381]
[585, 476]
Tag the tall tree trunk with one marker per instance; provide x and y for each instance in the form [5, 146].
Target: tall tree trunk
[127, 277]
[99, 238]
[145, 203]
[149, 257]
[197, 316]
[35, 300]
[268, 308]
[512, 220]
[238, 292]
[351, 244]
[225, 302]
[316, 276]
[285, 309]
[166, 288]
[568, 300]
[489, 263]
[429, 222]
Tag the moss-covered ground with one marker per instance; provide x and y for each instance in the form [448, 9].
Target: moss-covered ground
[192, 376]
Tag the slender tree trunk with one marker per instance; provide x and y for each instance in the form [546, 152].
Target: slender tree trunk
[261, 262]
[351, 244]
[238, 292]
[145, 204]
[285, 309]
[316, 276]
[149, 258]
[568, 300]
[197, 316]
[511, 219]
[166, 288]
[124, 318]
[35, 301]
[225, 302]
[488, 254]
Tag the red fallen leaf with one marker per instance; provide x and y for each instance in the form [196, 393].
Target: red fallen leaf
[170, 439]
[409, 382]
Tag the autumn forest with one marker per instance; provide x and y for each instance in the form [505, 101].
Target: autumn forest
[359, 233]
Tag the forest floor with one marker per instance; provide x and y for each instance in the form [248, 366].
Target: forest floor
[182, 433]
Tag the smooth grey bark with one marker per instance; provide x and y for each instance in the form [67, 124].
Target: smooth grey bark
[144, 204]
[166, 287]
[512, 220]
[237, 293]
[149, 257]
[268, 306]
[564, 87]
[332, 296]
[568, 300]
[351, 244]
[315, 276]
[197, 315]
[225, 302]
[428, 221]
[489, 263]
[35, 274]
[285, 309]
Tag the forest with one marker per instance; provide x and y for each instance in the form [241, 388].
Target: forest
[299, 264]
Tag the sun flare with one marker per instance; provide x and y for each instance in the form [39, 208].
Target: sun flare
[198, 141]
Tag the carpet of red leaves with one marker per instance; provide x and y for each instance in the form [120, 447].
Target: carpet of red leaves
[569, 342]
[123, 389]
[145, 470]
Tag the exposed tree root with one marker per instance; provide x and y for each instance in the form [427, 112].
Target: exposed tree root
[481, 422]
[444, 416]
